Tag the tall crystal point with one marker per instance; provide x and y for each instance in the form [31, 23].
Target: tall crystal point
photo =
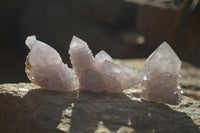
[99, 73]
[83, 64]
[45, 68]
[161, 78]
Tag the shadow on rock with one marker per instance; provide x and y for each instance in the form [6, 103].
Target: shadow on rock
[39, 111]
[47, 107]
[45, 111]
[118, 113]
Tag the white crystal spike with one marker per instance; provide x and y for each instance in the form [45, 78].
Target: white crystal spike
[45, 68]
[161, 78]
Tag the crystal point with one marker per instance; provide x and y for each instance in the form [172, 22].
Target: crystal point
[164, 55]
[161, 78]
[30, 41]
[45, 68]
[101, 57]
[77, 42]
[80, 55]
[83, 63]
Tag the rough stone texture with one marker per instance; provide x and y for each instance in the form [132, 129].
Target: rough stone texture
[26, 108]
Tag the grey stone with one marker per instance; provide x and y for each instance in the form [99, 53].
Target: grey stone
[26, 108]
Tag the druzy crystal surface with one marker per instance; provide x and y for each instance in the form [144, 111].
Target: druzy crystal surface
[45, 68]
[161, 78]
[99, 73]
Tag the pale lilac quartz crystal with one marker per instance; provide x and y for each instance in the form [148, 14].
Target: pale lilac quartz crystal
[45, 68]
[161, 78]
[99, 73]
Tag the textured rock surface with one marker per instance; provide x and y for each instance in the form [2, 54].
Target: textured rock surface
[25, 108]
[45, 68]
[99, 73]
[161, 76]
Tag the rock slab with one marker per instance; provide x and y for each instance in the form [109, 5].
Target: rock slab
[26, 108]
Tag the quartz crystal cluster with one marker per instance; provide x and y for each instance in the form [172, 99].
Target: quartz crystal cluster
[161, 78]
[99, 73]
[160, 81]
[45, 68]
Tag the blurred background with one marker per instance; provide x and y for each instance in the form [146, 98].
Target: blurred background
[123, 28]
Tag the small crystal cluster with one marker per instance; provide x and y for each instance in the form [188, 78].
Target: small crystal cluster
[160, 80]
[99, 73]
[45, 68]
